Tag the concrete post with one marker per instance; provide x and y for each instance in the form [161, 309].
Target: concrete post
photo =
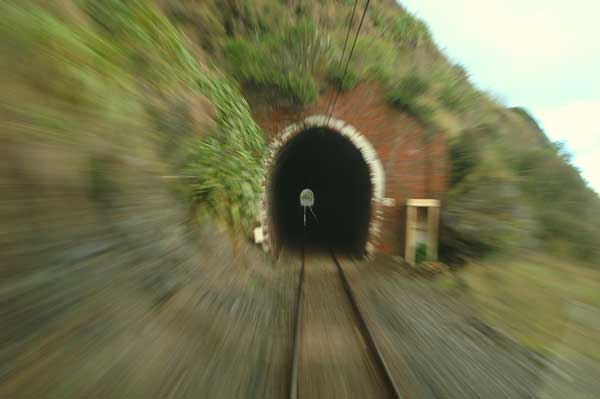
[433, 215]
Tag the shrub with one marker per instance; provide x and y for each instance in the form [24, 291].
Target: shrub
[482, 215]
[567, 211]
[527, 116]
[225, 162]
[345, 82]
[103, 187]
[376, 17]
[451, 97]
[454, 89]
[375, 58]
[421, 253]
[422, 112]
[464, 156]
[406, 96]
[286, 60]
[413, 86]
[409, 31]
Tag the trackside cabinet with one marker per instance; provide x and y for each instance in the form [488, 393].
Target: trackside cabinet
[422, 224]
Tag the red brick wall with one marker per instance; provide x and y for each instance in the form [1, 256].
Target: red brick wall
[415, 163]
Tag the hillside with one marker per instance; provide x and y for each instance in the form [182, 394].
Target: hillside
[178, 66]
[504, 168]
[130, 168]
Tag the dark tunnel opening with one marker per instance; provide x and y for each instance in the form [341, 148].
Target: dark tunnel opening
[331, 166]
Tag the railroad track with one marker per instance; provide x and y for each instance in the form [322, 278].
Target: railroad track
[334, 355]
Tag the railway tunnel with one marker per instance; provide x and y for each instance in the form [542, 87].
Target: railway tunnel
[370, 166]
[329, 164]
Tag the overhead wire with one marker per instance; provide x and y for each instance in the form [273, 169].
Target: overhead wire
[350, 22]
[348, 61]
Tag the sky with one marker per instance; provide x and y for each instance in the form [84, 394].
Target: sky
[543, 55]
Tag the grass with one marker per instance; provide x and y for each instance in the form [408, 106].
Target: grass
[344, 81]
[550, 199]
[396, 51]
[111, 67]
[107, 77]
[409, 31]
[531, 298]
[421, 253]
[286, 60]
[407, 96]
[266, 54]
[123, 81]
[453, 89]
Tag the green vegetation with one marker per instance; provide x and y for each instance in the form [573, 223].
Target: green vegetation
[421, 253]
[485, 208]
[538, 300]
[346, 81]
[267, 45]
[123, 78]
[408, 31]
[128, 95]
[525, 189]
[406, 96]
[226, 162]
[287, 60]
[161, 80]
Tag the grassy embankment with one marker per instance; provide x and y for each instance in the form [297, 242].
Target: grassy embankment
[117, 80]
[547, 303]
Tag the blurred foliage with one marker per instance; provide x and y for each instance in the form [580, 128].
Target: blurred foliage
[465, 156]
[109, 74]
[296, 48]
[485, 209]
[532, 298]
[420, 253]
[162, 78]
[506, 193]
[454, 89]
[409, 31]
[406, 95]
[566, 208]
[286, 60]
[346, 81]
[103, 185]
[523, 113]
[109, 107]
[484, 215]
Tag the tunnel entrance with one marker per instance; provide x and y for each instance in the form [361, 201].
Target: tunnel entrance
[329, 164]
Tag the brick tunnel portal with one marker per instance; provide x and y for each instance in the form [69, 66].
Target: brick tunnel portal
[331, 166]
